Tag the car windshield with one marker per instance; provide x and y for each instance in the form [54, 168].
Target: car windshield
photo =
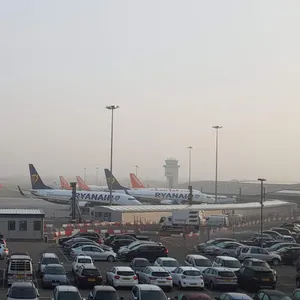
[85, 261]
[141, 263]
[106, 295]
[55, 270]
[125, 273]
[232, 264]
[170, 263]
[275, 297]
[22, 293]
[278, 246]
[210, 242]
[150, 295]
[284, 249]
[202, 262]
[262, 264]
[68, 295]
[226, 274]
[50, 260]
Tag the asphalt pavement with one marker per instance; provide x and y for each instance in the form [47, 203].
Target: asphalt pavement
[178, 248]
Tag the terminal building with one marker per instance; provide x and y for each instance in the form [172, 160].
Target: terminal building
[142, 214]
[22, 224]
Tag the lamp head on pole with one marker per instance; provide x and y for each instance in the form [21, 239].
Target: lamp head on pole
[217, 127]
[112, 107]
[262, 179]
[190, 147]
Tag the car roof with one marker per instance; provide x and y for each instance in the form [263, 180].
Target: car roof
[157, 269]
[197, 256]
[148, 287]
[272, 292]
[187, 268]
[140, 258]
[239, 296]
[104, 288]
[167, 258]
[49, 254]
[89, 266]
[254, 259]
[83, 256]
[226, 257]
[66, 288]
[23, 284]
[221, 269]
[21, 257]
[123, 268]
[55, 266]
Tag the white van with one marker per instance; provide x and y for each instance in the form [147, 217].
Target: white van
[217, 221]
[19, 268]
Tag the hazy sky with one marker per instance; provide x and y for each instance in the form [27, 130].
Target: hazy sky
[175, 68]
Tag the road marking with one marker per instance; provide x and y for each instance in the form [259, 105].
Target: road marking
[3, 279]
[67, 260]
[208, 291]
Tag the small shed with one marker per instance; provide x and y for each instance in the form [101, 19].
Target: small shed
[22, 224]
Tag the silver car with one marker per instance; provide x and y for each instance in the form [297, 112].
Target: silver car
[53, 275]
[23, 290]
[95, 252]
[226, 249]
[258, 252]
[218, 277]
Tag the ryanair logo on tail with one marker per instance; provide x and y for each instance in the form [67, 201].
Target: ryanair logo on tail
[35, 178]
[111, 181]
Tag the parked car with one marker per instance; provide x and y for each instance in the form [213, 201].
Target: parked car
[254, 262]
[89, 235]
[117, 244]
[225, 249]
[87, 276]
[289, 256]
[81, 260]
[23, 290]
[66, 292]
[156, 275]
[108, 241]
[187, 277]
[228, 262]
[46, 259]
[274, 234]
[233, 296]
[104, 292]
[200, 247]
[4, 252]
[168, 263]
[193, 296]
[284, 231]
[257, 252]
[216, 278]
[270, 295]
[149, 251]
[147, 291]
[121, 276]
[96, 253]
[254, 278]
[135, 244]
[53, 275]
[197, 261]
[139, 263]
[75, 245]
[279, 246]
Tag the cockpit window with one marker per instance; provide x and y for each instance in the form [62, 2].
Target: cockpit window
[131, 198]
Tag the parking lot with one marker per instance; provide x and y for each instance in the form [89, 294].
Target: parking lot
[178, 249]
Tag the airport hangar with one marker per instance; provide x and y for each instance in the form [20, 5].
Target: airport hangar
[22, 224]
[142, 214]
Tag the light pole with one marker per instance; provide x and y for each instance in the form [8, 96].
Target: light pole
[97, 175]
[84, 175]
[217, 127]
[190, 163]
[112, 108]
[262, 180]
[136, 170]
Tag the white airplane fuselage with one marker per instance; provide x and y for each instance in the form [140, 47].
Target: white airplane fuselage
[64, 197]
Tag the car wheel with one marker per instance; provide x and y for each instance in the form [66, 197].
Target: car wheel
[211, 285]
[275, 261]
[110, 258]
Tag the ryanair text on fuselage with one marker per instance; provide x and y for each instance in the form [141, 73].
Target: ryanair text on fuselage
[96, 197]
[175, 196]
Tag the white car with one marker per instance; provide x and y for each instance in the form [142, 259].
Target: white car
[147, 291]
[46, 259]
[187, 277]
[81, 260]
[121, 276]
[157, 276]
[197, 261]
[168, 263]
[227, 262]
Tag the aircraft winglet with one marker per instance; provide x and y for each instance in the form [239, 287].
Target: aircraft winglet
[135, 183]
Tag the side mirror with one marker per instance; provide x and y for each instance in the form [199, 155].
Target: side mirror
[61, 263]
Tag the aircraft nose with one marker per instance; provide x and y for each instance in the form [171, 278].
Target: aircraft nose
[136, 202]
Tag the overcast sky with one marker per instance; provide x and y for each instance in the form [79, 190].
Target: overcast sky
[175, 68]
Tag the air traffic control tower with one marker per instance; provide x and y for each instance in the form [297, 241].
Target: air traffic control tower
[171, 172]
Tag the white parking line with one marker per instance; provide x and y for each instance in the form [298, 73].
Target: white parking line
[63, 255]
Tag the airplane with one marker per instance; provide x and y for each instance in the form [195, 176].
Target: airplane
[64, 184]
[42, 191]
[159, 196]
[136, 183]
[84, 187]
